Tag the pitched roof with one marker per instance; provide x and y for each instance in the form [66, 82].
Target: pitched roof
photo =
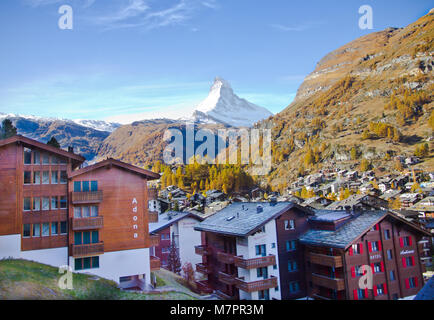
[345, 235]
[168, 218]
[242, 218]
[427, 291]
[112, 162]
[27, 142]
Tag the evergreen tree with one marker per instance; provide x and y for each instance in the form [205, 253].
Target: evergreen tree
[7, 129]
[54, 143]
[173, 260]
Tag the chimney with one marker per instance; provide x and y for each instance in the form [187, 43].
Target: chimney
[259, 209]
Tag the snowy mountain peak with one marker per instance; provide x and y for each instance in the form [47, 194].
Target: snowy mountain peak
[223, 106]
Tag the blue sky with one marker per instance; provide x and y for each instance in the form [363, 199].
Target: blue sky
[128, 60]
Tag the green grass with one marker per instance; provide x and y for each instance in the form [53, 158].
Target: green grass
[22, 279]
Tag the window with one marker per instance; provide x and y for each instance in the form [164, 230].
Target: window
[77, 238]
[165, 250]
[63, 161]
[37, 230]
[63, 177]
[411, 283]
[27, 177]
[46, 177]
[54, 228]
[356, 249]
[359, 271]
[289, 224]
[294, 286]
[273, 245]
[36, 157]
[292, 265]
[377, 267]
[36, 204]
[94, 211]
[408, 261]
[36, 177]
[63, 227]
[54, 160]
[387, 234]
[77, 186]
[261, 250]
[374, 246]
[165, 236]
[45, 229]
[91, 263]
[392, 275]
[77, 212]
[405, 241]
[94, 186]
[63, 202]
[85, 186]
[264, 295]
[95, 237]
[54, 205]
[362, 293]
[291, 245]
[45, 158]
[262, 272]
[85, 212]
[380, 289]
[27, 204]
[54, 177]
[86, 237]
[27, 156]
[389, 254]
[26, 230]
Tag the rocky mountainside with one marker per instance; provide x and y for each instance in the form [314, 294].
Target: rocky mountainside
[85, 136]
[370, 99]
[223, 106]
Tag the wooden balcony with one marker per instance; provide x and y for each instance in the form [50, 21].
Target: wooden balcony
[204, 287]
[202, 250]
[224, 257]
[202, 268]
[155, 240]
[255, 262]
[90, 223]
[327, 282]
[155, 263]
[325, 260]
[153, 217]
[86, 197]
[87, 249]
[227, 278]
[256, 285]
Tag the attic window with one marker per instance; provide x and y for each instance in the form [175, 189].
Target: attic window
[230, 218]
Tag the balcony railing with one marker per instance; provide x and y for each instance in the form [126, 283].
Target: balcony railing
[155, 263]
[327, 282]
[325, 260]
[155, 240]
[256, 285]
[87, 197]
[255, 262]
[203, 286]
[227, 278]
[224, 296]
[90, 223]
[202, 268]
[224, 257]
[202, 250]
[153, 217]
[87, 249]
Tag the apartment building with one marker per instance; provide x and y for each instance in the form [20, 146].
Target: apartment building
[250, 251]
[94, 219]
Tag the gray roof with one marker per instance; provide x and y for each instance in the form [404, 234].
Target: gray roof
[346, 234]
[164, 221]
[427, 292]
[350, 201]
[327, 215]
[241, 218]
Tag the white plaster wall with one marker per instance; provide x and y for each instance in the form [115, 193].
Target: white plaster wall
[113, 265]
[248, 252]
[188, 239]
[10, 246]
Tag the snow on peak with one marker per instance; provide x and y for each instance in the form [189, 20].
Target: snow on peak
[223, 106]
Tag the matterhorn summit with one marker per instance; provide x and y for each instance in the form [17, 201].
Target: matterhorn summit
[223, 106]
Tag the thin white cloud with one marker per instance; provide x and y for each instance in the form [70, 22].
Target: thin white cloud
[39, 3]
[296, 28]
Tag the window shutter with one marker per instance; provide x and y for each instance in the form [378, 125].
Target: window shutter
[377, 227]
[404, 263]
[385, 288]
[351, 251]
[407, 283]
[366, 293]
[369, 246]
[401, 242]
[382, 266]
[412, 260]
[353, 272]
[415, 281]
[373, 268]
[375, 291]
[356, 297]
[410, 241]
[379, 245]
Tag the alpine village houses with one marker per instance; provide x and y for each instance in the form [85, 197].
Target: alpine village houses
[93, 219]
[97, 218]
